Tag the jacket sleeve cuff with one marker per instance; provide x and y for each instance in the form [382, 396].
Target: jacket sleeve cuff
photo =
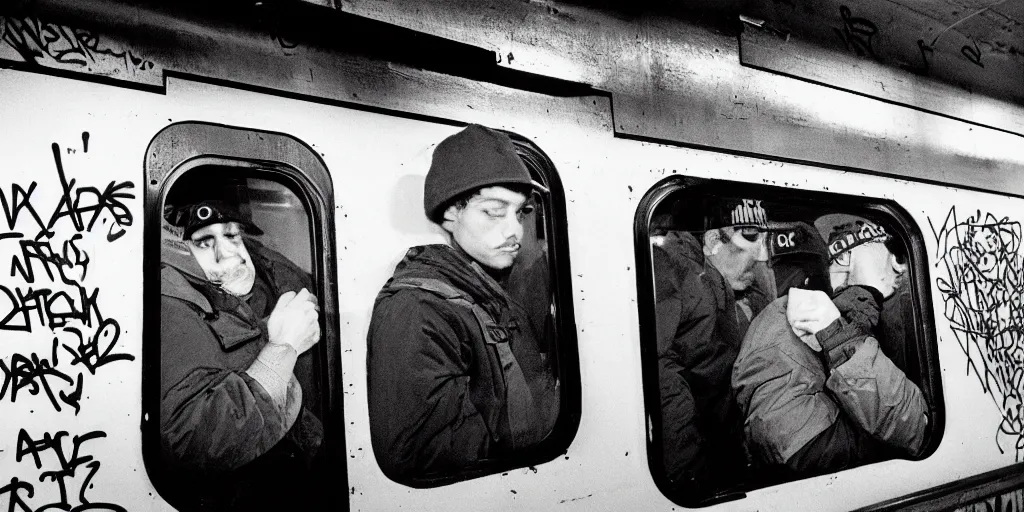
[838, 341]
[273, 370]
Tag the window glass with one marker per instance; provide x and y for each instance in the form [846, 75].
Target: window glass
[242, 358]
[471, 350]
[766, 307]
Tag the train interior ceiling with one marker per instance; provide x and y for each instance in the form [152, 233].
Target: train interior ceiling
[876, 110]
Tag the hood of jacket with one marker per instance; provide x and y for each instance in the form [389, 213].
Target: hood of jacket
[681, 244]
[183, 279]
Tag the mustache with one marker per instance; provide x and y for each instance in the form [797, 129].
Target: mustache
[511, 242]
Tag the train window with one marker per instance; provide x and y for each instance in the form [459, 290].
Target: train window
[472, 356]
[786, 335]
[240, 412]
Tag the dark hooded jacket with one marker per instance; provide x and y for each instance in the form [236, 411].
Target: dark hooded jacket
[218, 423]
[445, 397]
[699, 336]
[790, 394]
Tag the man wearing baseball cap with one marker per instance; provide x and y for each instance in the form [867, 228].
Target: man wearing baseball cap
[705, 280]
[237, 322]
[817, 392]
[456, 380]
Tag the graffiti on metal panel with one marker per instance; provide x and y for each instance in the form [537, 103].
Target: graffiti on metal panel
[973, 53]
[57, 336]
[35, 41]
[48, 291]
[982, 293]
[1012, 501]
[61, 462]
[857, 33]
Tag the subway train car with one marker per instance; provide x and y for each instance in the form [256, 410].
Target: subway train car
[643, 125]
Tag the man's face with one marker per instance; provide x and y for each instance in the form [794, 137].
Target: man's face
[869, 264]
[740, 250]
[490, 227]
[221, 253]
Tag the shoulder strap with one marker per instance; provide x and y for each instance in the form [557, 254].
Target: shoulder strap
[519, 399]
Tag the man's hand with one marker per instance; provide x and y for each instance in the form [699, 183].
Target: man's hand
[808, 312]
[295, 321]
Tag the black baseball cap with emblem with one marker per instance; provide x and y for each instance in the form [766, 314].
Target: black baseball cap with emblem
[800, 259]
[195, 216]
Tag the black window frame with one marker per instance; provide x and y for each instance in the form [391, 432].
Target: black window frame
[187, 146]
[894, 215]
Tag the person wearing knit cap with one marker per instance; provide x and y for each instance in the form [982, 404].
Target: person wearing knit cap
[237, 323]
[710, 280]
[456, 378]
[801, 374]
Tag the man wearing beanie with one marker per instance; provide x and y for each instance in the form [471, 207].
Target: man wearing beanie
[817, 392]
[456, 380]
[237, 323]
[707, 289]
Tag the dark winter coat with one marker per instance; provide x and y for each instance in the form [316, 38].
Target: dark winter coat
[441, 398]
[216, 421]
[698, 340]
[789, 393]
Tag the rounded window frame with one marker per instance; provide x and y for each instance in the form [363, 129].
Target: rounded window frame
[188, 146]
[917, 263]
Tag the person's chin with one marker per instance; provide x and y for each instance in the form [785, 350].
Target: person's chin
[503, 260]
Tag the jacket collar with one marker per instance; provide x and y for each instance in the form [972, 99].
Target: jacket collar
[451, 264]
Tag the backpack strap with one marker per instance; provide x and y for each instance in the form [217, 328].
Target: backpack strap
[518, 397]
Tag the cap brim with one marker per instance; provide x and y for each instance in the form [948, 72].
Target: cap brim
[782, 226]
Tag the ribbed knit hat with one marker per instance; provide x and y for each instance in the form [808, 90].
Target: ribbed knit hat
[473, 158]
[734, 212]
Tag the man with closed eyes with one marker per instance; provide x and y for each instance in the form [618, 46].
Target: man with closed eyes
[456, 378]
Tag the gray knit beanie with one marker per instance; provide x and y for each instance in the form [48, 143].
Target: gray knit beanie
[475, 157]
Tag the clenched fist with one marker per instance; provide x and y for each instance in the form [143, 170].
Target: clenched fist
[295, 321]
[808, 312]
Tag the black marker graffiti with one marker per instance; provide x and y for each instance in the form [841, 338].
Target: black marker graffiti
[973, 53]
[985, 307]
[109, 201]
[54, 296]
[48, 44]
[83, 206]
[69, 468]
[40, 374]
[857, 33]
[927, 52]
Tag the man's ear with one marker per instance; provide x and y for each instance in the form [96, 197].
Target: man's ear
[451, 214]
[712, 242]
